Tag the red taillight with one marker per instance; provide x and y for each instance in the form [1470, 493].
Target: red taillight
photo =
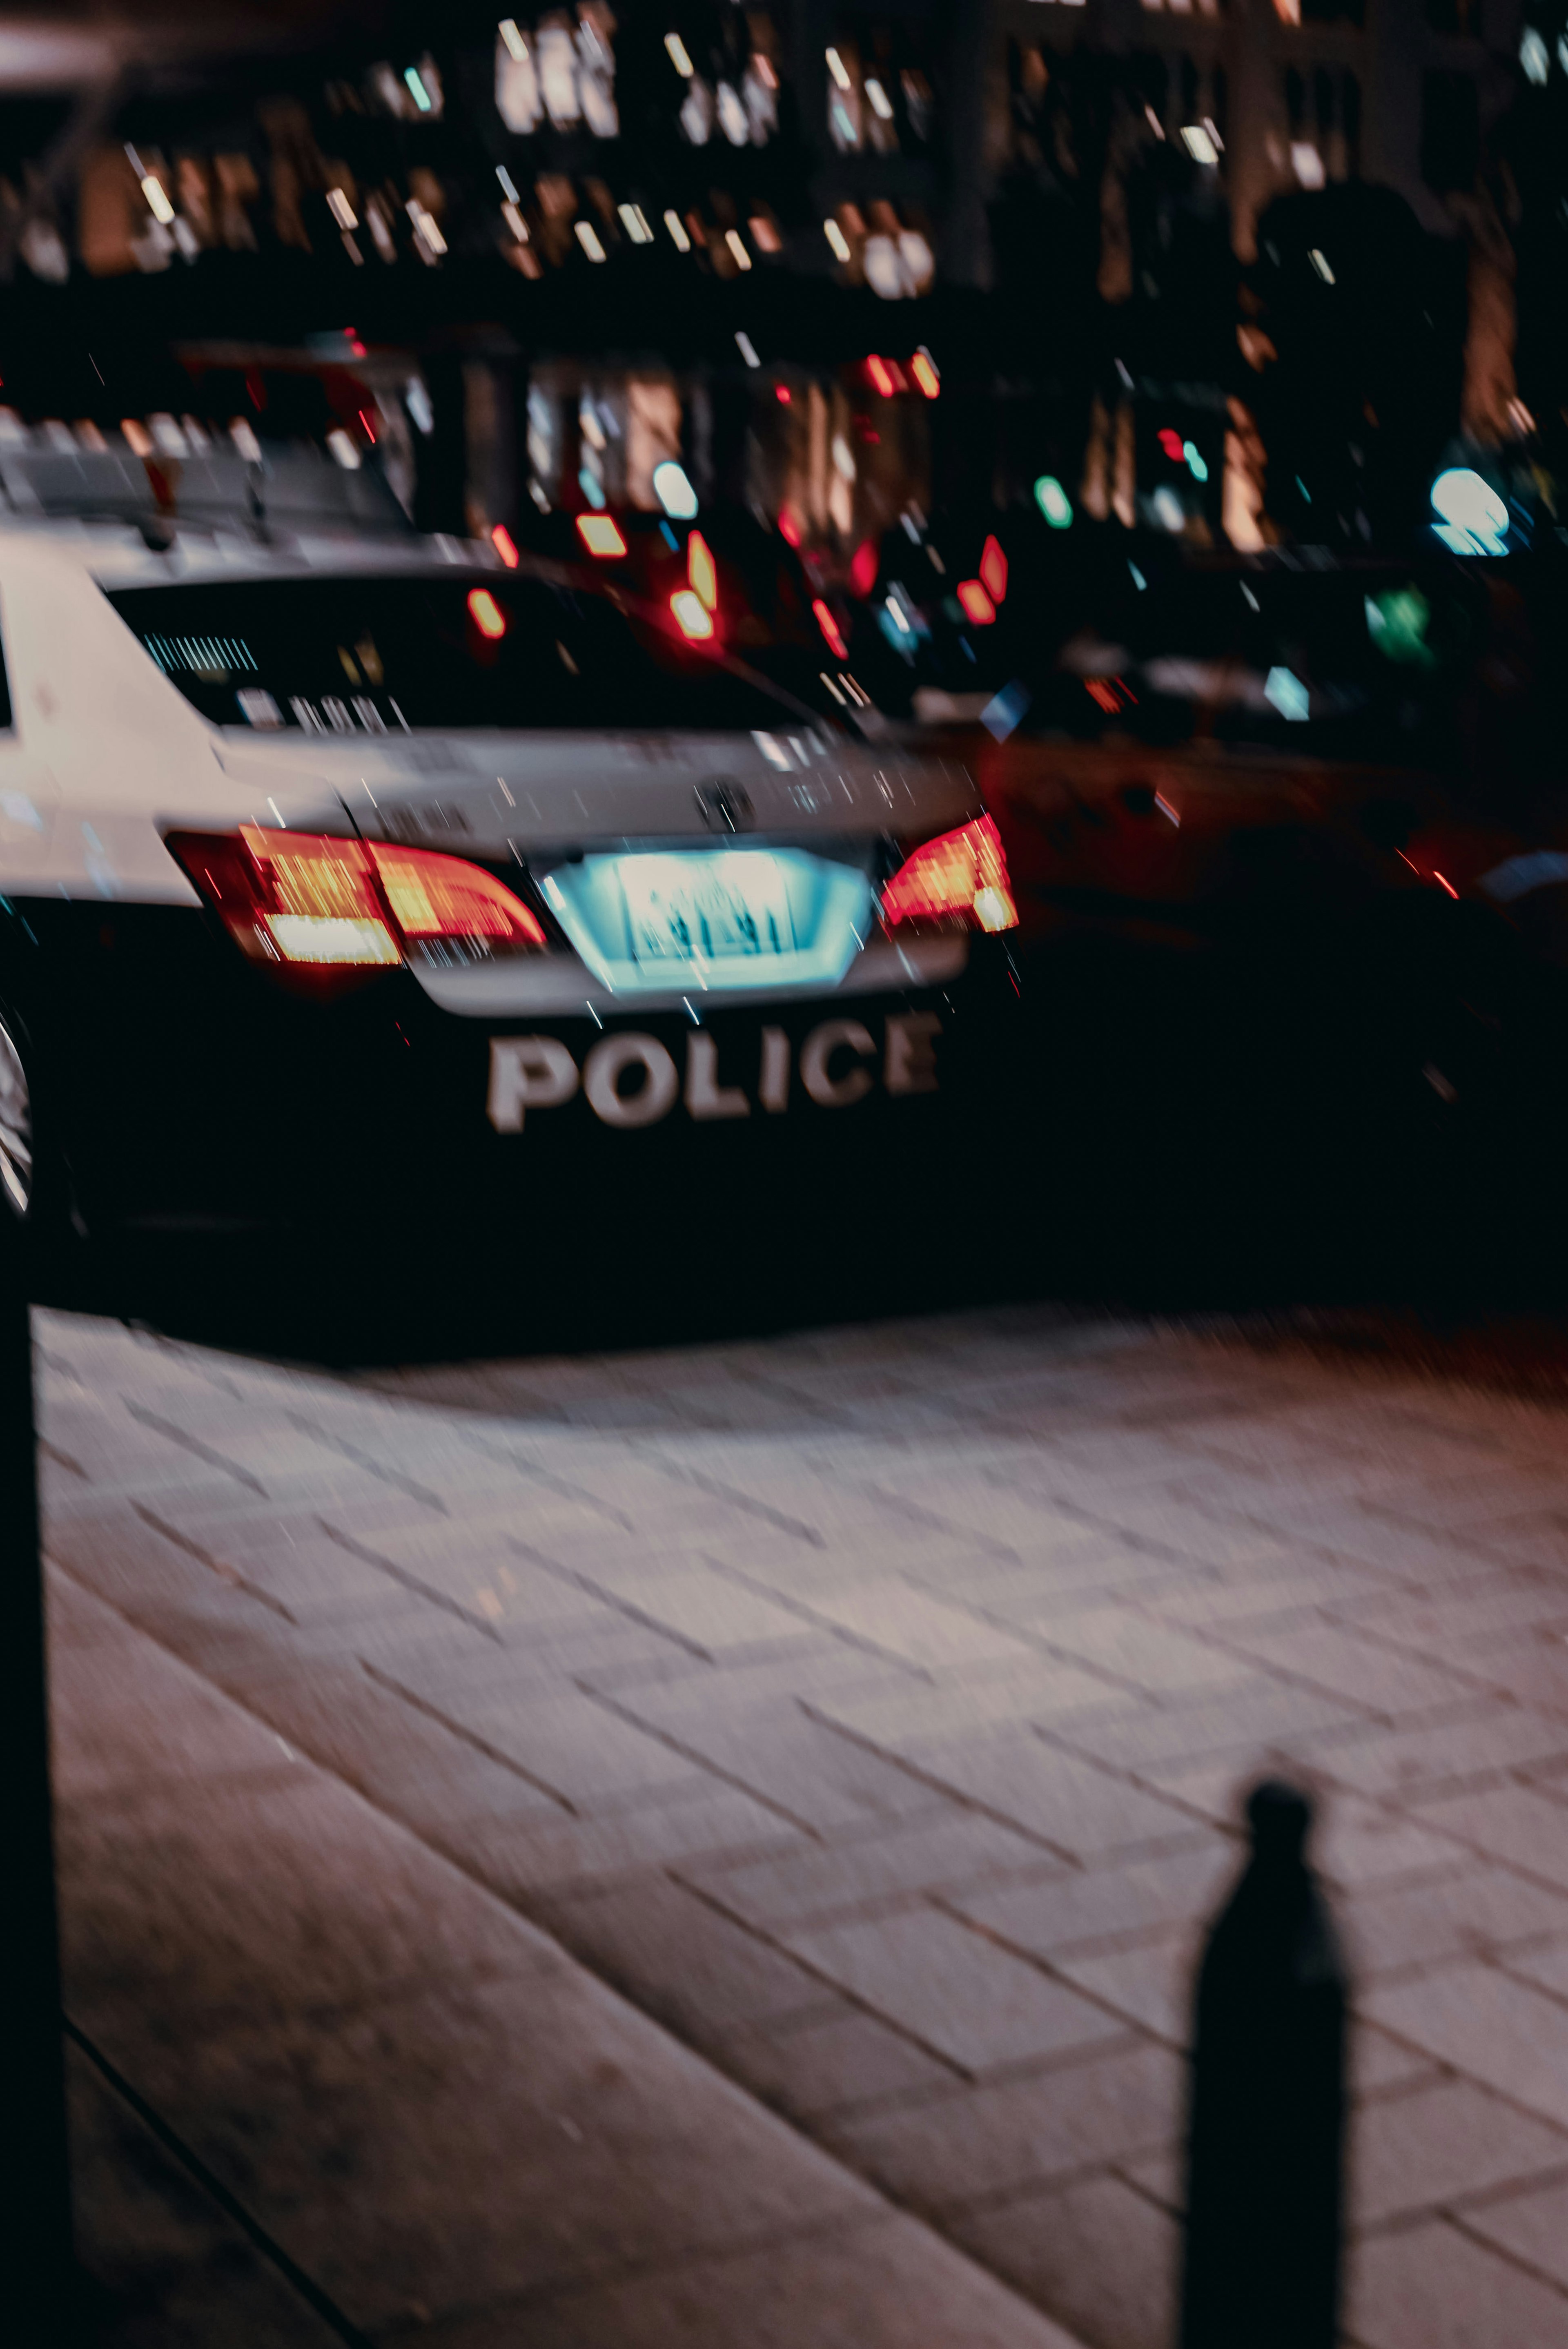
[326, 907]
[993, 571]
[977, 603]
[505, 545]
[433, 897]
[830, 627]
[962, 876]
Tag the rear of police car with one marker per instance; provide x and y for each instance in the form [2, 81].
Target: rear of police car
[483, 893]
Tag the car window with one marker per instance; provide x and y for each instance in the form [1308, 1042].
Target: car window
[376, 655]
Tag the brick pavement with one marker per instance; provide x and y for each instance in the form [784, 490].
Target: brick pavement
[870, 1708]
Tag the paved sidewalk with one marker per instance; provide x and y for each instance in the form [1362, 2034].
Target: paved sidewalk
[451, 2129]
[870, 1708]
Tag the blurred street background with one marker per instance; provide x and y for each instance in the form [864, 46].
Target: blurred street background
[646, 1759]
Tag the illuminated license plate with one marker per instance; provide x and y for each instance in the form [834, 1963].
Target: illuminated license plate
[726, 907]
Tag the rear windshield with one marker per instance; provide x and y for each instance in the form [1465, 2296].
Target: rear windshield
[351, 656]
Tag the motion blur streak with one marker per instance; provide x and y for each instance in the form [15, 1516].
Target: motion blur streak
[831, 634]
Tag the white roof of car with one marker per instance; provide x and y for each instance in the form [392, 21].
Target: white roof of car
[118, 555]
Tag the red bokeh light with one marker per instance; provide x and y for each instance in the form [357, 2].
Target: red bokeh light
[832, 637]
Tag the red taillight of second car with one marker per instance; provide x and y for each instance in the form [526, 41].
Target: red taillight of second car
[961, 876]
[320, 907]
[833, 635]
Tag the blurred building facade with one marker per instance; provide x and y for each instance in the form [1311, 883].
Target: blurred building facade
[1290, 236]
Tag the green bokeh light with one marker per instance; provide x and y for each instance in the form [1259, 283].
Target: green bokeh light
[1054, 501]
[1396, 624]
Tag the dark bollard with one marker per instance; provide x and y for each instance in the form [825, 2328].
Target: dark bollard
[1267, 2115]
[40, 2300]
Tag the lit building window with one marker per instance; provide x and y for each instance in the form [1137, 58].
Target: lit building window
[563, 69]
[843, 100]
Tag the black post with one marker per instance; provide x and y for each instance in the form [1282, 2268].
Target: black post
[35, 2199]
[1267, 2115]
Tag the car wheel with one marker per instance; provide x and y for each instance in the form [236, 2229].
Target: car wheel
[17, 1169]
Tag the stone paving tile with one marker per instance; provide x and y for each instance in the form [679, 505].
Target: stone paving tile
[1547, 1965]
[1532, 2225]
[1362, 1844]
[939, 1853]
[823, 1781]
[678, 1958]
[832, 2065]
[754, 1688]
[1143, 1737]
[1355, 1844]
[1031, 1593]
[1352, 1668]
[550, 1660]
[1511, 1823]
[890, 1614]
[950, 2151]
[1152, 1984]
[1499, 2031]
[1416, 1763]
[1104, 2257]
[1443, 2144]
[1541, 1540]
[1304, 1518]
[118, 1741]
[951, 1990]
[1068, 1804]
[1432, 2288]
[1077, 1906]
[913, 1713]
[1270, 1591]
[565, 1741]
[1483, 1496]
[1490, 1615]
[1466, 1911]
[1381, 2065]
[1154, 1657]
[715, 1615]
[531, 1857]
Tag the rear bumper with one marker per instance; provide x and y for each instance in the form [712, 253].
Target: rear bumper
[184, 1090]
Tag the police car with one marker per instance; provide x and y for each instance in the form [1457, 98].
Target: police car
[340, 874]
